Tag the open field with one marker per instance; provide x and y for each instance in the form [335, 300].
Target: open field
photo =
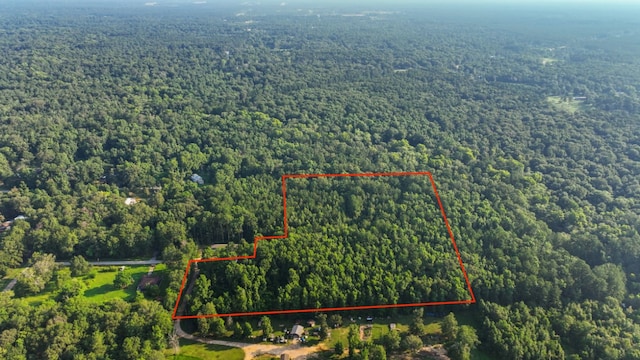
[99, 288]
[191, 350]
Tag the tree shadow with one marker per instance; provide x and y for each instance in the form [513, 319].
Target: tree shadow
[101, 290]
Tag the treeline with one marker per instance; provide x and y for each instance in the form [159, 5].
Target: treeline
[77, 329]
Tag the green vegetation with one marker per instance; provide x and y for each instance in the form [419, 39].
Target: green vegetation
[566, 104]
[191, 350]
[99, 286]
[100, 103]
[10, 275]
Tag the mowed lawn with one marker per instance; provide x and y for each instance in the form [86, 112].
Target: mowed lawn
[100, 288]
[191, 350]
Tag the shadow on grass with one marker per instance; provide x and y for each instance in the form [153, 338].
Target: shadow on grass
[101, 290]
[108, 291]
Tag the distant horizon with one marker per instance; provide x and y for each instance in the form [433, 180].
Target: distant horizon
[315, 3]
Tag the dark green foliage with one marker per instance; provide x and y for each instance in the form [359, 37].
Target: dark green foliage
[335, 320]
[411, 343]
[247, 329]
[464, 342]
[79, 266]
[391, 341]
[100, 104]
[76, 327]
[377, 353]
[417, 322]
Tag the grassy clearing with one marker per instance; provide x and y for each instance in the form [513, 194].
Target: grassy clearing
[99, 288]
[191, 350]
[571, 106]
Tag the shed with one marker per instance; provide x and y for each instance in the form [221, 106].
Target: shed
[297, 331]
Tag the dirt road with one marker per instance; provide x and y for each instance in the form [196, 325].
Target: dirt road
[295, 351]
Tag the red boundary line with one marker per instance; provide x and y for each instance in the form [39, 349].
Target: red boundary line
[286, 235]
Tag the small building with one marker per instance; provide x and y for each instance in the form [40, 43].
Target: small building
[285, 357]
[130, 201]
[197, 179]
[311, 323]
[392, 326]
[297, 331]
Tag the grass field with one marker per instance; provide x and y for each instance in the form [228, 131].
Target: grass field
[191, 350]
[100, 288]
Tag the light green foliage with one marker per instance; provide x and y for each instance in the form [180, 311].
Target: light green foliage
[265, 326]
[122, 279]
[34, 279]
[449, 327]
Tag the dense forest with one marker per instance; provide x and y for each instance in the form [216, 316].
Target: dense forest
[527, 117]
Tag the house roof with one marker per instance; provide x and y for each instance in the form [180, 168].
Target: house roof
[297, 330]
[197, 179]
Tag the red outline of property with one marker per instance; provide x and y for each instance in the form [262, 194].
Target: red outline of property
[286, 235]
